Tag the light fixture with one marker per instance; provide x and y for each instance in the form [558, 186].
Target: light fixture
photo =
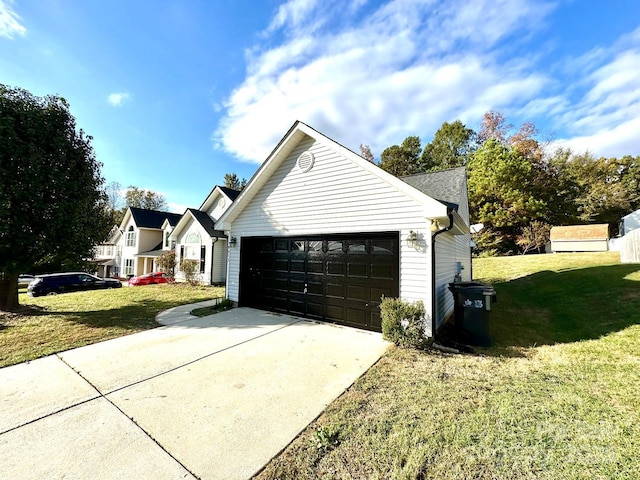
[412, 238]
[232, 241]
[435, 226]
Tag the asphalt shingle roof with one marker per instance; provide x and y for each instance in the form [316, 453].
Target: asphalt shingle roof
[206, 221]
[153, 218]
[444, 185]
[230, 192]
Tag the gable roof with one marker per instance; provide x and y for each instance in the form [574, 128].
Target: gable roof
[153, 218]
[635, 213]
[202, 218]
[206, 221]
[443, 185]
[230, 193]
[299, 131]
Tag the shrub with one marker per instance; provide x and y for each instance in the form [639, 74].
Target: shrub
[190, 269]
[403, 323]
[167, 262]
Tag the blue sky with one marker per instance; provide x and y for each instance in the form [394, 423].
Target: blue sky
[178, 93]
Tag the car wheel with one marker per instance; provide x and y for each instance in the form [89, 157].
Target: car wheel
[52, 292]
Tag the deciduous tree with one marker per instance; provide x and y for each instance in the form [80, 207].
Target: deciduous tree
[451, 147]
[52, 204]
[147, 199]
[404, 159]
[502, 192]
[365, 152]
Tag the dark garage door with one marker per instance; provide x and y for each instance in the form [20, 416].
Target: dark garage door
[336, 278]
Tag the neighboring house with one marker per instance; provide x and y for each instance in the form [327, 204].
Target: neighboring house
[580, 238]
[628, 241]
[107, 256]
[196, 238]
[629, 222]
[144, 234]
[322, 233]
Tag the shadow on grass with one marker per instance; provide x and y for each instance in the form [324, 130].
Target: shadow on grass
[139, 315]
[548, 308]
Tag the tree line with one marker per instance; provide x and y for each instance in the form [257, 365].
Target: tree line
[518, 190]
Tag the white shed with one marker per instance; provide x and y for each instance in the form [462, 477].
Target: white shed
[322, 233]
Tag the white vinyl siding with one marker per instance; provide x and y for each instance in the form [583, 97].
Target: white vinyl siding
[215, 259]
[335, 196]
[219, 261]
[217, 210]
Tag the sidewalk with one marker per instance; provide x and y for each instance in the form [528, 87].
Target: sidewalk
[182, 313]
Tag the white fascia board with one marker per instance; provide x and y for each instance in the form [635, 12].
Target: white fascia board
[181, 223]
[125, 219]
[212, 197]
[259, 178]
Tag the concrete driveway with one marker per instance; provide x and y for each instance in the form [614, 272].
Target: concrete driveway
[207, 398]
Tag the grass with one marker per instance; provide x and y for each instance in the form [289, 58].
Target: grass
[53, 324]
[220, 306]
[556, 396]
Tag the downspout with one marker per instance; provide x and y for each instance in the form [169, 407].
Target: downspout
[213, 243]
[433, 272]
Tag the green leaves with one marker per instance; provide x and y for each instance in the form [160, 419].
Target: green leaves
[51, 200]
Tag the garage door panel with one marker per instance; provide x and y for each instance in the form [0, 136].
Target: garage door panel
[335, 290]
[356, 317]
[357, 292]
[315, 266]
[382, 271]
[357, 270]
[336, 268]
[335, 312]
[336, 278]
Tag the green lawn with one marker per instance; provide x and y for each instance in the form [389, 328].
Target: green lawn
[556, 396]
[53, 324]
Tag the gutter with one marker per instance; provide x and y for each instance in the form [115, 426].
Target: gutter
[433, 271]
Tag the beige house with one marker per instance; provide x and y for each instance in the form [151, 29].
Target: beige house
[144, 239]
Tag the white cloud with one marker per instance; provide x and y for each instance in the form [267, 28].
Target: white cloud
[117, 99]
[10, 25]
[618, 141]
[395, 72]
[292, 14]
[606, 118]
[409, 65]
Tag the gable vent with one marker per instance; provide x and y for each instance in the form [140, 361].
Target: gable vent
[305, 161]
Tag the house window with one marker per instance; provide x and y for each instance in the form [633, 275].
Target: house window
[203, 254]
[131, 237]
[128, 267]
[166, 238]
[192, 246]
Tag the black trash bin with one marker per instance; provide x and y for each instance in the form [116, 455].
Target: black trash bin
[472, 310]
